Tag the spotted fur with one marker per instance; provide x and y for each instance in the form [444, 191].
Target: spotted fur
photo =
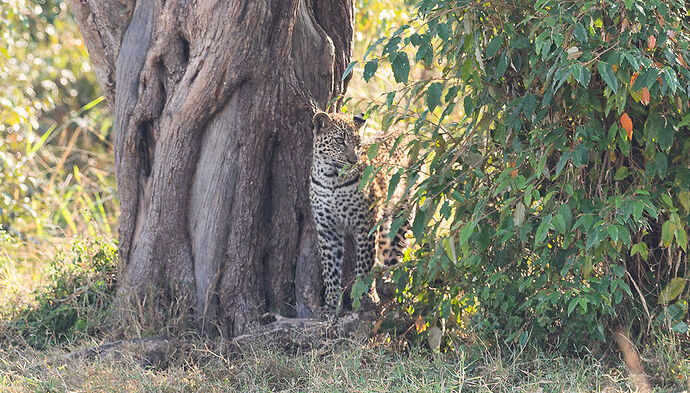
[341, 209]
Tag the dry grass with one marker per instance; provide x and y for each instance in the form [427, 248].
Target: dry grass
[341, 366]
[338, 366]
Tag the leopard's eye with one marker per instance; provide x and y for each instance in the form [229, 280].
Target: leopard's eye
[340, 141]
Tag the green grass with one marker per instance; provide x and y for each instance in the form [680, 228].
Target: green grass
[341, 366]
[69, 311]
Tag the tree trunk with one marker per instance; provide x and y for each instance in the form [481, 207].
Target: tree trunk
[213, 102]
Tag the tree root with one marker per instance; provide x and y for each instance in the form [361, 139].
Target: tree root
[148, 352]
[304, 333]
[633, 361]
[292, 334]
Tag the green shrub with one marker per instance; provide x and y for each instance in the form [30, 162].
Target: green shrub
[75, 301]
[553, 147]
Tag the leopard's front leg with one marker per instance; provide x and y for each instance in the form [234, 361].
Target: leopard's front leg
[331, 246]
[366, 244]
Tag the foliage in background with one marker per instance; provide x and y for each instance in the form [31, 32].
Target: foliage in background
[74, 302]
[552, 147]
[55, 151]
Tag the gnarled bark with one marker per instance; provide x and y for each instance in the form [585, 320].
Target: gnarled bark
[212, 103]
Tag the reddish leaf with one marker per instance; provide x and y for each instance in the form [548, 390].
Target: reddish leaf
[651, 42]
[420, 324]
[632, 79]
[645, 98]
[660, 19]
[627, 125]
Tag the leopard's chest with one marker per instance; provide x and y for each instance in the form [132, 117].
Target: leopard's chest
[345, 206]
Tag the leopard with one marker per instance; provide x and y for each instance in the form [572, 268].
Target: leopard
[341, 208]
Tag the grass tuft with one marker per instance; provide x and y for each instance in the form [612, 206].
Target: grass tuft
[73, 303]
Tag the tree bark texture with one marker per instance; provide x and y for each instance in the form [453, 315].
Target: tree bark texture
[213, 102]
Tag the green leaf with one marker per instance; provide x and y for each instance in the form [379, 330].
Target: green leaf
[348, 70]
[528, 105]
[607, 74]
[401, 67]
[621, 173]
[519, 215]
[559, 223]
[583, 304]
[366, 174]
[640, 248]
[466, 231]
[587, 268]
[672, 290]
[667, 233]
[468, 105]
[502, 65]
[370, 69]
[372, 150]
[681, 327]
[452, 93]
[685, 121]
[494, 45]
[389, 99]
[443, 31]
[572, 305]
[395, 226]
[433, 95]
[665, 136]
[684, 199]
[637, 210]
[418, 224]
[581, 74]
[392, 46]
[661, 164]
[360, 287]
[613, 232]
[682, 238]
[393, 184]
[561, 163]
[580, 33]
[542, 230]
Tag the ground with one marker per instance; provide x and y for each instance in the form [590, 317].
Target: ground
[340, 366]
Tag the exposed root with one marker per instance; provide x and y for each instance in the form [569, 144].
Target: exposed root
[633, 361]
[298, 333]
[148, 352]
[287, 333]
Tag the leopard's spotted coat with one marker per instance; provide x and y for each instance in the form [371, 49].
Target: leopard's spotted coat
[340, 208]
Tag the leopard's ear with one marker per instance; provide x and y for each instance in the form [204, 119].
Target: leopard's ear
[359, 120]
[320, 121]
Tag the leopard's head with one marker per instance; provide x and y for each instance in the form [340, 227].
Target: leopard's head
[336, 138]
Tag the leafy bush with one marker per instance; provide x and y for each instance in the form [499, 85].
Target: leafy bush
[552, 147]
[75, 301]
